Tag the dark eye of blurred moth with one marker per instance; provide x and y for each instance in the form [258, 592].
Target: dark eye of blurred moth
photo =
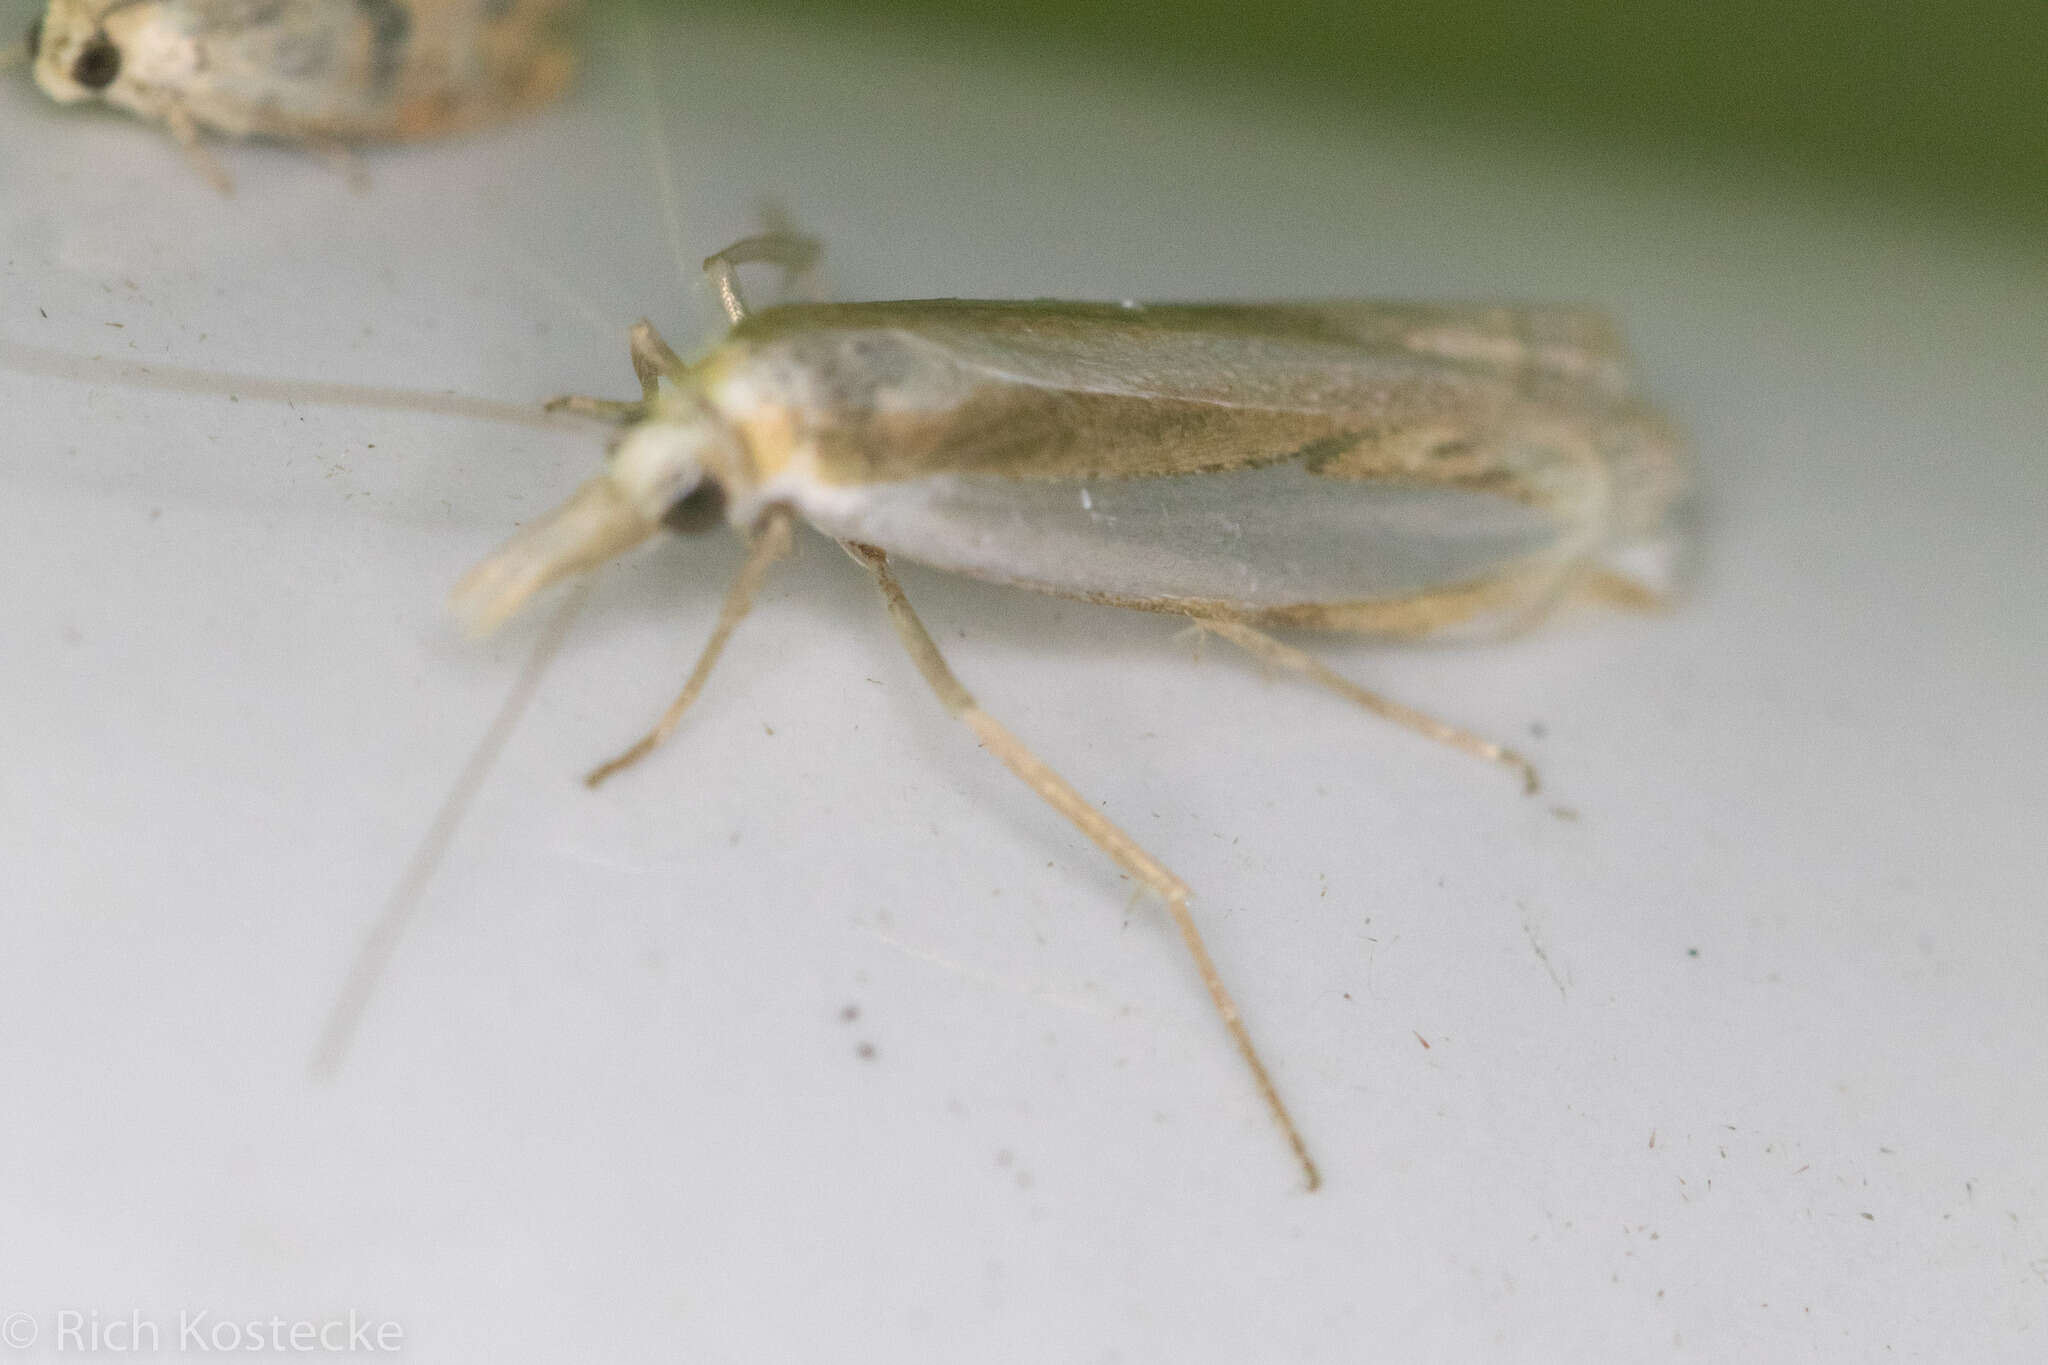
[97, 65]
[702, 508]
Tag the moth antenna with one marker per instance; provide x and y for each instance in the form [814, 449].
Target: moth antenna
[382, 940]
[660, 162]
[552, 281]
[55, 364]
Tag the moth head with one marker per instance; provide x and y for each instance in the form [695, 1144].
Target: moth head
[88, 49]
[663, 470]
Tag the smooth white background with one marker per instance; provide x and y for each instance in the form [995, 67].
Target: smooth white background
[1743, 1061]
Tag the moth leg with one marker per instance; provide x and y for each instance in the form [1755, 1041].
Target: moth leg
[792, 251]
[614, 410]
[653, 360]
[347, 160]
[191, 142]
[769, 542]
[1055, 792]
[1612, 588]
[1269, 650]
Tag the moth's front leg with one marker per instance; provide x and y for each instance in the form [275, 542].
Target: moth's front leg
[653, 359]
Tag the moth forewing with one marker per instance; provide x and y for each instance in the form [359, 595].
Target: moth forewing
[322, 72]
[1294, 464]
[1398, 468]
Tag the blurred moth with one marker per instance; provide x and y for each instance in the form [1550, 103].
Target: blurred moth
[327, 73]
[1402, 469]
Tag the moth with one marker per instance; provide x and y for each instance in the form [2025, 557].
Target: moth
[1394, 468]
[327, 73]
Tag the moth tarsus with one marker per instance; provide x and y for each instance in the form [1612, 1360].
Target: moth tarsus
[1268, 650]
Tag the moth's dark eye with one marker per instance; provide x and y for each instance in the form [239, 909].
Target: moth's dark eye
[97, 64]
[702, 508]
[35, 36]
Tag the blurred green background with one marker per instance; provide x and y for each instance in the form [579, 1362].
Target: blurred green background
[1940, 106]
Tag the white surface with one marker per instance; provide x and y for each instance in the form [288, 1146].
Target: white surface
[1745, 1061]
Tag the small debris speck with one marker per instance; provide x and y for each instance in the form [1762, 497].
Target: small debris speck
[866, 1052]
[849, 1013]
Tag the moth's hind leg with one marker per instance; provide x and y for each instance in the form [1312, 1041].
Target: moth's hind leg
[653, 360]
[1101, 832]
[1269, 650]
